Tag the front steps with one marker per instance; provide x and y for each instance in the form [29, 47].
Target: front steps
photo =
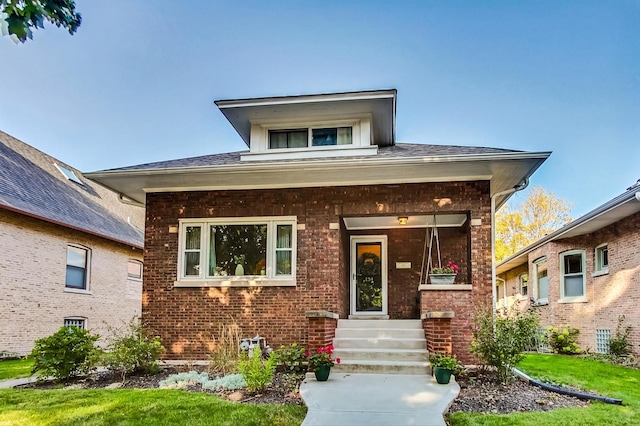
[381, 346]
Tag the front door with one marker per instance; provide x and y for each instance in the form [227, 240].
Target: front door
[369, 275]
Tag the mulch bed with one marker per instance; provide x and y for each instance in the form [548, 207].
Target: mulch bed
[479, 391]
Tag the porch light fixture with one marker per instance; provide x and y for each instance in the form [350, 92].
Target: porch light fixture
[402, 220]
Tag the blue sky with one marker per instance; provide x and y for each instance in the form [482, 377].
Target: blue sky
[137, 82]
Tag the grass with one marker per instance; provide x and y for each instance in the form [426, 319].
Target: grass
[598, 377]
[15, 369]
[136, 407]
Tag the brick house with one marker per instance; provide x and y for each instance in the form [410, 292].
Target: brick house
[71, 252]
[586, 274]
[324, 217]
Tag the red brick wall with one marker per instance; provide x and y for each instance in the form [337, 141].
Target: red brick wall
[609, 295]
[439, 336]
[188, 318]
[321, 332]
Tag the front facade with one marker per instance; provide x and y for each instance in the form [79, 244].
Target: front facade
[324, 217]
[586, 275]
[71, 254]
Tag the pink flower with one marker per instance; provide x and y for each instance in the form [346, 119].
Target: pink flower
[338, 360]
[466, 323]
[307, 354]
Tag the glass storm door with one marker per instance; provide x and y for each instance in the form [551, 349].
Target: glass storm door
[369, 275]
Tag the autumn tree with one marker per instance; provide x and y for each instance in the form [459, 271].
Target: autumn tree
[19, 17]
[538, 215]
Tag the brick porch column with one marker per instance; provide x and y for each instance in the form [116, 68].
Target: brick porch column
[322, 329]
[437, 331]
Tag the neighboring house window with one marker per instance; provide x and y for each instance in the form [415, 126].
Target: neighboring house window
[249, 247]
[573, 283]
[603, 337]
[602, 258]
[302, 138]
[541, 285]
[74, 322]
[78, 260]
[524, 279]
[134, 269]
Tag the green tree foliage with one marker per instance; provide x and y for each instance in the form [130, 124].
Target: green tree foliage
[19, 17]
[540, 214]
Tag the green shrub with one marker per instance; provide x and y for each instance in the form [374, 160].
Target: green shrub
[191, 378]
[563, 341]
[257, 372]
[503, 348]
[451, 363]
[292, 358]
[619, 345]
[69, 352]
[131, 351]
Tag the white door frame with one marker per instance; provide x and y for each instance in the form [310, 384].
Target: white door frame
[352, 273]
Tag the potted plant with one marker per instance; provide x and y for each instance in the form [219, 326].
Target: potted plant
[443, 367]
[446, 275]
[321, 362]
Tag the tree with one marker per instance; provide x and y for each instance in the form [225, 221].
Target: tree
[540, 214]
[19, 17]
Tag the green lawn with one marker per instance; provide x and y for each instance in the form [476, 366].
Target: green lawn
[601, 378]
[15, 368]
[136, 407]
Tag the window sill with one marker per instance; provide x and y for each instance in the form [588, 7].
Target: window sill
[600, 273]
[430, 287]
[246, 282]
[137, 280]
[77, 290]
[574, 300]
[542, 302]
[310, 152]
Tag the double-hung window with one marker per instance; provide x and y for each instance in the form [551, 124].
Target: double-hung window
[602, 259]
[134, 270]
[78, 260]
[541, 287]
[524, 284]
[237, 249]
[573, 282]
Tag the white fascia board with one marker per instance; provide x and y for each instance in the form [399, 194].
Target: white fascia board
[287, 100]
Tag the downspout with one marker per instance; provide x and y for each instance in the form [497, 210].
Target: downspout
[519, 187]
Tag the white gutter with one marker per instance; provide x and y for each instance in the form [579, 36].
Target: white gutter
[522, 185]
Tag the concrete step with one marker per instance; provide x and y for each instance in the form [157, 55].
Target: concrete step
[378, 323]
[380, 343]
[368, 354]
[380, 333]
[382, 367]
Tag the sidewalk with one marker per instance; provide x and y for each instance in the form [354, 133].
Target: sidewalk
[376, 399]
[6, 384]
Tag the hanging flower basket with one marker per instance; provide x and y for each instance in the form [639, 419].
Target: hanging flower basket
[442, 278]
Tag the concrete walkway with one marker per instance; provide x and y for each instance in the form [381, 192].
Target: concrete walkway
[7, 384]
[376, 399]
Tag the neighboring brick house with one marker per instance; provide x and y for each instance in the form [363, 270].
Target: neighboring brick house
[325, 216]
[70, 250]
[586, 274]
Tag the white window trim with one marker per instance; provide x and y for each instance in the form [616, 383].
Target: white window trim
[87, 289]
[521, 295]
[270, 279]
[574, 299]
[86, 324]
[536, 284]
[130, 278]
[599, 270]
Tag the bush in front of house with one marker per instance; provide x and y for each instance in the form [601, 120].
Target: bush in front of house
[563, 340]
[504, 348]
[257, 372]
[130, 350]
[619, 344]
[69, 352]
[292, 359]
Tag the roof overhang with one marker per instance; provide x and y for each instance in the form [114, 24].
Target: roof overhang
[379, 104]
[410, 221]
[611, 212]
[503, 170]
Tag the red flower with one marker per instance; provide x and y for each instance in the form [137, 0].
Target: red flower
[337, 360]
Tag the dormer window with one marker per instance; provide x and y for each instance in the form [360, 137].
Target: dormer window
[303, 138]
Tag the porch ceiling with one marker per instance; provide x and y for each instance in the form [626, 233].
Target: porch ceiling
[413, 221]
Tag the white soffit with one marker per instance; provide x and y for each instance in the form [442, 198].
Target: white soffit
[413, 221]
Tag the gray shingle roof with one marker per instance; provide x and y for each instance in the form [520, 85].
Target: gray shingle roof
[31, 184]
[399, 150]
